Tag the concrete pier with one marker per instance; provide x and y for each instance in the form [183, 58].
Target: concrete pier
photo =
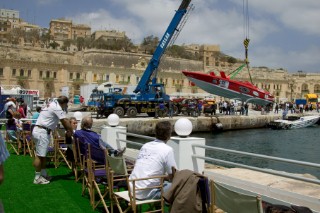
[146, 125]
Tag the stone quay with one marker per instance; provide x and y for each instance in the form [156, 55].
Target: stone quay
[146, 125]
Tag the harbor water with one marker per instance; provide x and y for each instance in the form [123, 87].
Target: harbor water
[297, 144]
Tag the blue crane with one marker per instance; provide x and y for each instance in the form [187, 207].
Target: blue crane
[147, 90]
[148, 94]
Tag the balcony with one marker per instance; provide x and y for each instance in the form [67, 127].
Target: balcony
[124, 82]
[48, 79]
[78, 81]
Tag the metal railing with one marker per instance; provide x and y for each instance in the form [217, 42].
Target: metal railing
[133, 135]
[265, 157]
[215, 160]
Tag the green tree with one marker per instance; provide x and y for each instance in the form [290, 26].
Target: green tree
[32, 36]
[149, 44]
[100, 43]
[80, 43]
[15, 35]
[232, 60]
[66, 44]
[126, 44]
[54, 45]
[88, 42]
[180, 52]
[45, 38]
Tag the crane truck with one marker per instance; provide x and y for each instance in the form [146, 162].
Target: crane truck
[148, 95]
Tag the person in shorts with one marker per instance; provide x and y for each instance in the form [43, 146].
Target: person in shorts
[47, 121]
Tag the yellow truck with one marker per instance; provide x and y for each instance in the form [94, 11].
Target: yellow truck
[312, 99]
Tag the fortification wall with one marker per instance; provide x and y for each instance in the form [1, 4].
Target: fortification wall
[93, 57]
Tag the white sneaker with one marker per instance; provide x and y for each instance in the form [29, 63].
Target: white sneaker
[41, 180]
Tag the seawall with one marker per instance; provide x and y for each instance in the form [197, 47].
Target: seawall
[146, 126]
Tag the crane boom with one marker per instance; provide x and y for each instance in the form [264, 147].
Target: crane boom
[143, 85]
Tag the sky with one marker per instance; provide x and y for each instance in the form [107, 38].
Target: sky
[283, 34]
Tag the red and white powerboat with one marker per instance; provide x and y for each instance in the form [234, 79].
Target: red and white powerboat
[224, 86]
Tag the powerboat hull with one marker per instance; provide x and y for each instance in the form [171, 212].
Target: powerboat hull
[228, 88]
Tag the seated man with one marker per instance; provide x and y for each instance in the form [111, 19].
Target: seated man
[155, 158]
[87, 135]
[73, 123]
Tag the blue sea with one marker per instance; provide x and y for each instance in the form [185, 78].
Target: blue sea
[297, 144]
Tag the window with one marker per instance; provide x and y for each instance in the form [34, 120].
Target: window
[29, 73]
[94, 77]
[128, 78]
[48, 74]
[1, 71]
[55, 75]
[14, 72]
[78, 75]
[70, 76]
[40, 74]
[107, 77]
[117, 78]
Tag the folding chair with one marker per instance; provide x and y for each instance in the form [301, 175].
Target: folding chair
[77, 166]
[82, 148]
[233, 202]
[60, 148]
[117, 170]
[95, 177]
[28, 144]
[12, 138]
[96, 165]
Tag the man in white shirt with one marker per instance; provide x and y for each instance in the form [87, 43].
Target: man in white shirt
[47, 121]
[9, 102]
[155, 158]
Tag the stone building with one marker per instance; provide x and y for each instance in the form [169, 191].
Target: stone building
[50, 70]
[108, 35]
[5, 28]
[81, 30]
[9, 15]
[60, 29]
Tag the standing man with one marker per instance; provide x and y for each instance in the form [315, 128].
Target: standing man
[246, 108]
[48, 119]
[155, 158]
[276, 109]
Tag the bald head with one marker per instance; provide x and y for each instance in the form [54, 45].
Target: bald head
[86, 122]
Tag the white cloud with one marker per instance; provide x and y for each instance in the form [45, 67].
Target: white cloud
[300, 15]
[211, 24]
[275, 57]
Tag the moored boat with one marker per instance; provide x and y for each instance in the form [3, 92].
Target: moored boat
[304, 121]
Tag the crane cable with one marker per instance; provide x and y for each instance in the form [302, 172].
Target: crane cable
[246, 33]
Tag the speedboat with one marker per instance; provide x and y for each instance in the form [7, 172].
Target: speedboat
[224, 86]
[301, 122]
